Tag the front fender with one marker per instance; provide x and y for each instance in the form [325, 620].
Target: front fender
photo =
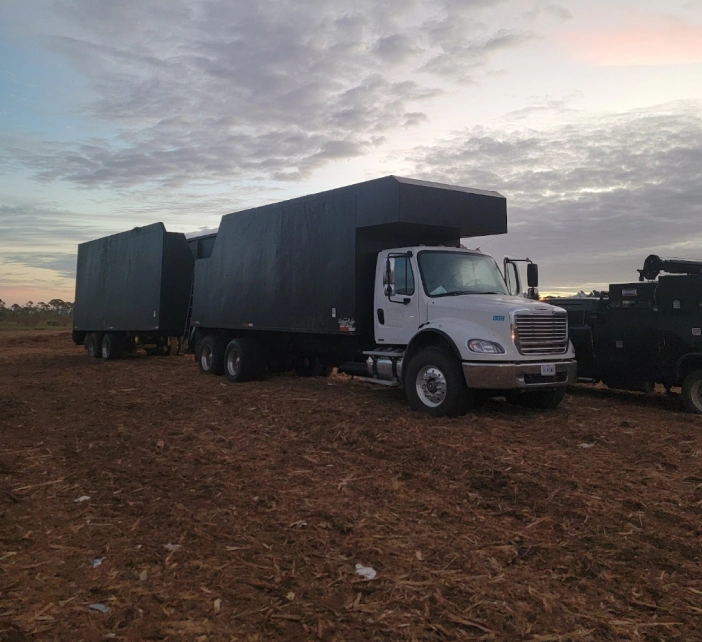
[457, 332]
[431, 335]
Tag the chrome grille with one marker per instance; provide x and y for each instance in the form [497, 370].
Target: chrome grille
[541, 333]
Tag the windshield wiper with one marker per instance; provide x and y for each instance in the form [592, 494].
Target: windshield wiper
[462, 292]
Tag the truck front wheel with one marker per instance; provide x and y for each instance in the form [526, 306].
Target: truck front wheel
[537, 399]
[211, 356]
[434, 384]
[692, 392]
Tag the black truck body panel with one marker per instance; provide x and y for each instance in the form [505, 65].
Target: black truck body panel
[201, 246]
[137, 281]
[307, 265]
[639, 334]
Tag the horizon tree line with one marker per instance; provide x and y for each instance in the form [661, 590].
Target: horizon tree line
[55, 306]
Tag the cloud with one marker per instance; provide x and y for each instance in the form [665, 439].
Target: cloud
[249, 91]
[591, 198]
[42, 240]
[460, 46]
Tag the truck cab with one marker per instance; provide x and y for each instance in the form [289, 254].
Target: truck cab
[450, 328]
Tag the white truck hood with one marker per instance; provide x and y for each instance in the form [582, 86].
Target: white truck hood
[488, 304]
[486, 317]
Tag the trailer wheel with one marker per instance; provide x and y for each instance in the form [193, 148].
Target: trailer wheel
[308, 367]
[162, 348]
[537, 399]
[211, 359]
[434, 384]
[243, 360]
[112, 346]
[692, 392]
[93, 344]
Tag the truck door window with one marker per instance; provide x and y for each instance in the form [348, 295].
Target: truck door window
[404, 278]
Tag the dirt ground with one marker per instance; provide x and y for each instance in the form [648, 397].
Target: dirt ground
[213, 511]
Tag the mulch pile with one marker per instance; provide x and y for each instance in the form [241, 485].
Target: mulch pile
[242, 512]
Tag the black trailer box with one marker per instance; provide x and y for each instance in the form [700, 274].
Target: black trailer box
[307, 264]
[136, 281]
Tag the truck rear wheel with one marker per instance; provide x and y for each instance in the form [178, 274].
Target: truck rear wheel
[112, 346]
[243, 360]
[93, 344]
[692, 392]
[434, 384]
[211, 357]
[537, 399]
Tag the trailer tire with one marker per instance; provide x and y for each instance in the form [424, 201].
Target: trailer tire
[93, 344]
[310, 367]
[163, 347]
[434, 384]
[211, 355]
[112, 346]
[537, 399]
[243, 360]
[692, 392]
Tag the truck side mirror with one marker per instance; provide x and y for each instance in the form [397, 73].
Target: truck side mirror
[532, 275]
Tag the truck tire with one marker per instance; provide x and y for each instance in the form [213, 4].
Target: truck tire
[93, 344]
[211, 359]
[434, 384]
[692, 392]
[545, 399]
[112, 346]
[243, 360]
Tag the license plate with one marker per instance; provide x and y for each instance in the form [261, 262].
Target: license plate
[548, 370]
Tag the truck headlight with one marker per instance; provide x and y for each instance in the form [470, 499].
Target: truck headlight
[481, 346]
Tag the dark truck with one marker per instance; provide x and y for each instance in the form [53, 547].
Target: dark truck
[643, 333]
[371, 279]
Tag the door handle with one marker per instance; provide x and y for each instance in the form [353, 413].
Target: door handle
[381, 316]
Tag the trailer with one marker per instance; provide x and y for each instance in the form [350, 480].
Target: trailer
[641, 334]
[132, 288]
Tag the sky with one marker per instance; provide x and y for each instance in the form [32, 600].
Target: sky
[587, 117]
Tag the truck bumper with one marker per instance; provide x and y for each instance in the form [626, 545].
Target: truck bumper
[508, 376]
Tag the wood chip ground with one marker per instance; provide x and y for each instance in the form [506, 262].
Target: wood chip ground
[239, 512]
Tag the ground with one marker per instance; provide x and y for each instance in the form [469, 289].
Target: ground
[241, 512]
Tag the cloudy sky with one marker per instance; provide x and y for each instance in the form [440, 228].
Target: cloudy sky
[586, 116]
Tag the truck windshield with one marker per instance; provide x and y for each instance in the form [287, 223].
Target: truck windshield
[454, 273]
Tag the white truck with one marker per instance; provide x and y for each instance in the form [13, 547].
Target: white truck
[449, 327]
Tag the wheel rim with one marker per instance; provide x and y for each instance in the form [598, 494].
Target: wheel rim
[431, 386]
[206, 358]
[233, 363]
[105, 349]
[696, 394]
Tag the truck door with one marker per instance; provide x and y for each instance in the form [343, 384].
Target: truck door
[396, 300]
